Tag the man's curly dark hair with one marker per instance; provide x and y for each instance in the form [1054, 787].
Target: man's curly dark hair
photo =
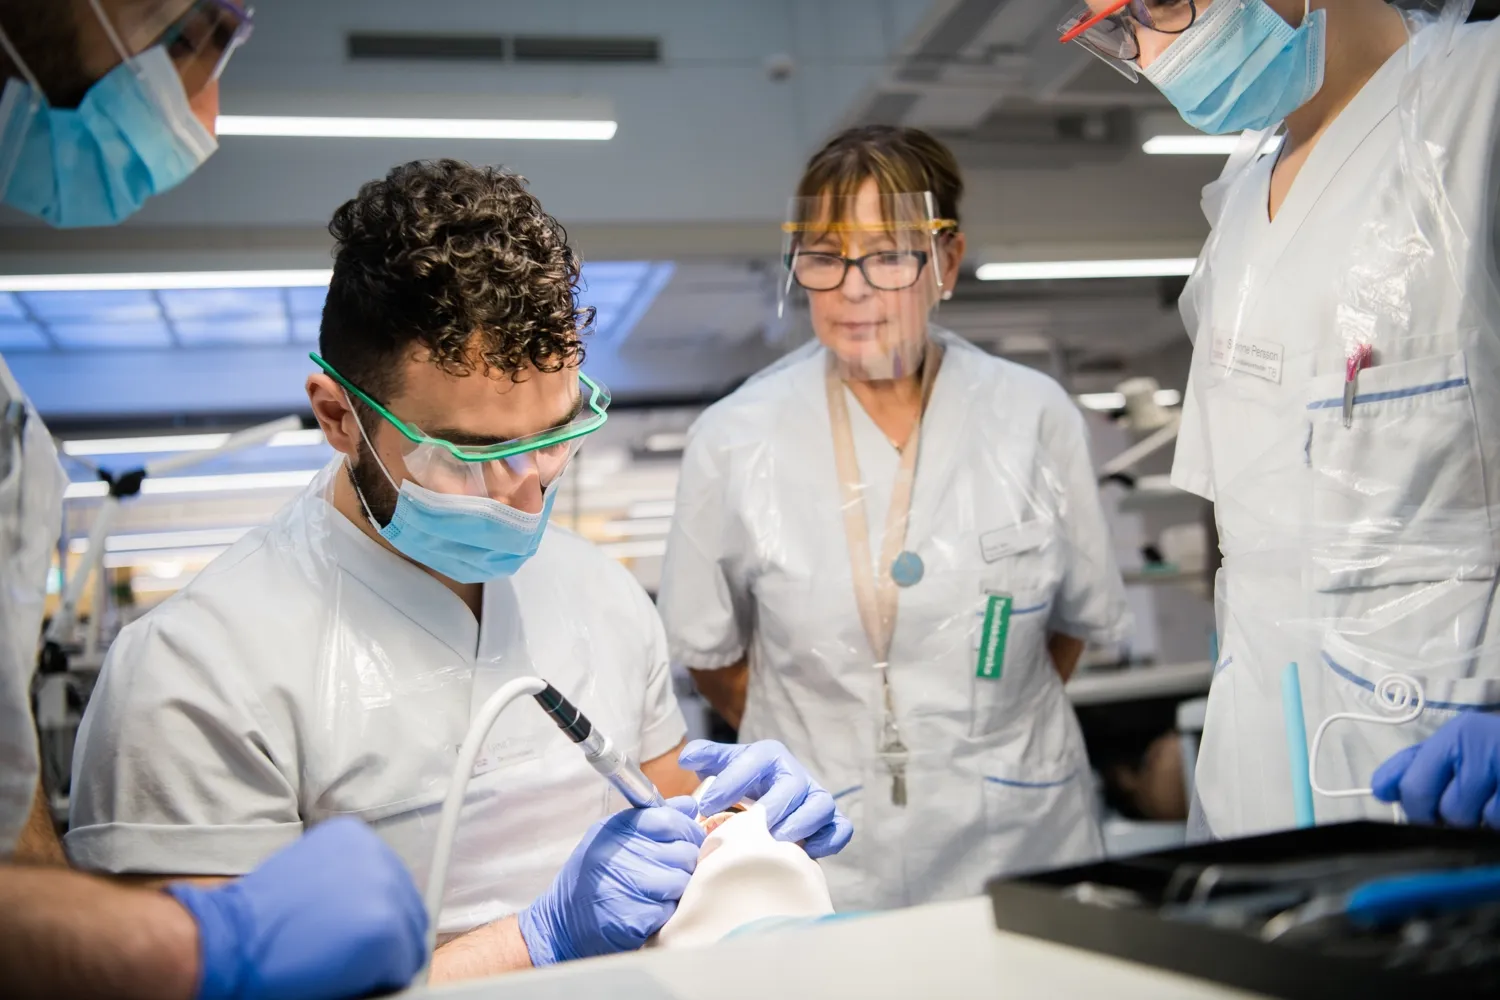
[454, 260]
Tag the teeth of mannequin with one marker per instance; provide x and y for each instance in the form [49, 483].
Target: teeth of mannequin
[712, 823]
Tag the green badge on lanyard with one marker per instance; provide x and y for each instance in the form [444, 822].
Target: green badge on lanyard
[992, 641]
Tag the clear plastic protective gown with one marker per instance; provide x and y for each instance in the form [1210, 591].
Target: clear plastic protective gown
[31, 491]
[309, 673]
[1357, 521]
[1006, 521]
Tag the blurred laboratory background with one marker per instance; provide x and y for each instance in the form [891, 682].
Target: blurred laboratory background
[666, 136]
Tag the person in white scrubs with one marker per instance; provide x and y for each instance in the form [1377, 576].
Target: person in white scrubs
[888, 550]
[1343, 411]
[330, 664]
[107, 103]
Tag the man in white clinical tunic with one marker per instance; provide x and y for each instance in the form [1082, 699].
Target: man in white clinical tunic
[1343, 410]
[329, 664]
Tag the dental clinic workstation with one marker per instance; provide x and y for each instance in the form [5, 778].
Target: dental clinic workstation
[905, 498]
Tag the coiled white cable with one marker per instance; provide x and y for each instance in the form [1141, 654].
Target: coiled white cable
[458, 787]
[1398, 693]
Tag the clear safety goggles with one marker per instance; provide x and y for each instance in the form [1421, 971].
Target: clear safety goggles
[199, 39]
[1110, 32]
[854, 256]
[491, 469]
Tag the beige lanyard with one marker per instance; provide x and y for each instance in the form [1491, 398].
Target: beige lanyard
[876, 596]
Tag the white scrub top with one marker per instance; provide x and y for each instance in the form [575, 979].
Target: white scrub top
[309, 673]
[1004, 505]
[31, 489]
[1365, 551]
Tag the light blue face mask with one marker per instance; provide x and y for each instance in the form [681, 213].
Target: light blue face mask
[1241, 66]
[465, 538]
[132, 136]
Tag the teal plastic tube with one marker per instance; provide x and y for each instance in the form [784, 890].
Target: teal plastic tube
[1296, 746]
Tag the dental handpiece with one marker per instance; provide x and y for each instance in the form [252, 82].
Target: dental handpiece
[603, 756]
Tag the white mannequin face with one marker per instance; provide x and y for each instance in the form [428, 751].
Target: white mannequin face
[744, 876]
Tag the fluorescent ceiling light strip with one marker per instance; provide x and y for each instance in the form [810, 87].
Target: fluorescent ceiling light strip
[1102, 400]
[221, 484]
[649, 527]
[635, 550]
[1116, 400]
[164, 280]
[1065, 269]
[1191, 145]
[666, 442]
[317, 127]
[166, 443]
[160, 585]
[153, 540]
[152, 558]
[643, 509]
[1201, 145]
[173, 485]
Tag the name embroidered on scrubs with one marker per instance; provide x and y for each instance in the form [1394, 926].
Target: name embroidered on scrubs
[1259, 358]
[993, 637]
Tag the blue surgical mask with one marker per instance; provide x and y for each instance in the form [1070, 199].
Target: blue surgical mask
[467, 539]
[1241, 66]
[132, 136]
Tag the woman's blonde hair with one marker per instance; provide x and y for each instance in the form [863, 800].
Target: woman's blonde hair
[899, 160]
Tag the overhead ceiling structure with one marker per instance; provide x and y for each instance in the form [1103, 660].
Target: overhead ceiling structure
[715, 106]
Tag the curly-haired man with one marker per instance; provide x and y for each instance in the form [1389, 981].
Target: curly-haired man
[331, 663]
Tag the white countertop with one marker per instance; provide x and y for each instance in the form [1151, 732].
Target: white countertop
[940, 950]
[1183, 680]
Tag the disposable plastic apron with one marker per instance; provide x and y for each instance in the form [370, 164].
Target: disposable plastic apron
[876, 596]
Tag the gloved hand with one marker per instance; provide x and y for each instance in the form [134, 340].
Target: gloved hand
[1452, 777]
[619, 887]
[333, 915]
[798, 809]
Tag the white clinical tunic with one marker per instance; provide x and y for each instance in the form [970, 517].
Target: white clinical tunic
[1364, 553]
[309, 673]
[1005, 514]
[31, 490]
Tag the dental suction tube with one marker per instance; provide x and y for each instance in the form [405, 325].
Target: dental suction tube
[613, 765]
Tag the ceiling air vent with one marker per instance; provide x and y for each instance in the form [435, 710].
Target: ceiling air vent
[584, 49]
[469, 48]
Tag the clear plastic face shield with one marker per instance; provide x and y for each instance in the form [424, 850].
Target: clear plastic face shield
[492, 469]
[169, 53]
[199, 39]
[870, 267]
[1107, 30]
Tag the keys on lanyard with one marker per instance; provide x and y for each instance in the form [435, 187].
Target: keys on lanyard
[894, 754]
[1358, 360]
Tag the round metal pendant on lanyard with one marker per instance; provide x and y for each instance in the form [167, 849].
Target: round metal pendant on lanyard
[900, 567]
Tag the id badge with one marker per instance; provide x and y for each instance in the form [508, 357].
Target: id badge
[992, 637]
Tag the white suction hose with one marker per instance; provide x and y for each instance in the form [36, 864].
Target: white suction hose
[458, 787]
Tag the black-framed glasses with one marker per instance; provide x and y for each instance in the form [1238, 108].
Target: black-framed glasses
[885, 270]
[1110, 34]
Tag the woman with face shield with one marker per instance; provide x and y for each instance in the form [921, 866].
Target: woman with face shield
[888, 549]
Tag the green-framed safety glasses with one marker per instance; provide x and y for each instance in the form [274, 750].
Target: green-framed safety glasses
[481, 470]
